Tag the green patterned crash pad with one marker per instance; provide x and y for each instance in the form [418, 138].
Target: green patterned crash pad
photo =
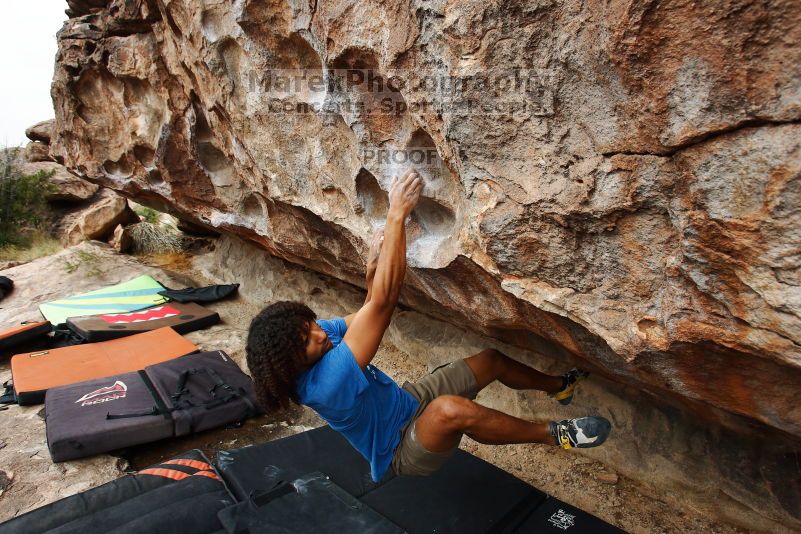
[129, 296]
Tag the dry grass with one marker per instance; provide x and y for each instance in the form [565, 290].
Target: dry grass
[176, 261]
[155, 239]
[40, 244]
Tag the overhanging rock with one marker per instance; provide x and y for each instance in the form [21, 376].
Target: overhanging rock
[624, 187]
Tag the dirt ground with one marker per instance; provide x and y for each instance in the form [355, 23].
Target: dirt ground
[582, 482]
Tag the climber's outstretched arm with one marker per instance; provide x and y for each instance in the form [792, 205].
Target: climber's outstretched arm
[368, 324]
[372, 263]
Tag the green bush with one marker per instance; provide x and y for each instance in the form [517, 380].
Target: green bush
[148, 215]
[23, 203]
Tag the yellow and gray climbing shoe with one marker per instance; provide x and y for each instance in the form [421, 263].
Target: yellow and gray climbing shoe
[582, 433]
[569, 381]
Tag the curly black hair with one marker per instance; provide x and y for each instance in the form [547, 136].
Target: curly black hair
[275, 348]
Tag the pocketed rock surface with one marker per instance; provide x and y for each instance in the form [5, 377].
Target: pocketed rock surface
[32, 480]
[631, 204]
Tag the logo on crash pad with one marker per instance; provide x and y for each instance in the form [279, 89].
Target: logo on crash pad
[562, 519]
[106, 394]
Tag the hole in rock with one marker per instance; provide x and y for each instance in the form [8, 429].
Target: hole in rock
[145, 155]
[373, 201]
[433, 217]
[211, 23]
[422, 154]
[652, 330]
[211, 158]
[252, 208]
[154, 177]
[135, 92]
[265, 23]
[118, 169]
[366, 94]
[296, 53]
[203, 131]
[232, 55]
[290, 68]
[429, 234]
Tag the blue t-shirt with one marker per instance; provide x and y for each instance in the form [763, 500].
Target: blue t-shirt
[366, 406]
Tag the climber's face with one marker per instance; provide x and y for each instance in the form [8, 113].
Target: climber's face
[317, 344]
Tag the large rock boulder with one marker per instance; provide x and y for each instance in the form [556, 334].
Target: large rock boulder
[36, 151]
[613, 182]
[41, 131]
[100, 219]
[121, 239]
[66, 186]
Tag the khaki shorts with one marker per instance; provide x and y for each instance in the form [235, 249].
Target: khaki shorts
[410, 457]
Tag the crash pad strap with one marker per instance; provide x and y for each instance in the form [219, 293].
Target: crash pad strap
[189, 463]
[159, 409]
[177, 475]
[166, 473]
[178, 404]
[260, 499]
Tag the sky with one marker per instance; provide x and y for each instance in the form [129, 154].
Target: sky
[27, 53]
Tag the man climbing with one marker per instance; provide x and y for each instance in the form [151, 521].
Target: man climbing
[326, 366]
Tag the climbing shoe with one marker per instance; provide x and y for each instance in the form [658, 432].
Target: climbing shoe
[569, 381]
[583, 433]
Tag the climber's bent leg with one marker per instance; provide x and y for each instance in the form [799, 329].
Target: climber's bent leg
[441, 425]
[436, 433]
[490, 365]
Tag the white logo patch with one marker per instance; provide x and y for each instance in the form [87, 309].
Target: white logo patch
[561, 519]
[109, 393]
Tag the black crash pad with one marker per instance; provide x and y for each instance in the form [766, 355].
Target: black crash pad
[557, 517]
[322, 449]
[468, 495]
[312, 503]
[182, 494]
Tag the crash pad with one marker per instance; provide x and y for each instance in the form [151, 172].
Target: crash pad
[22, 333]
[557, 517]
[183, 318]
[128, 296]
[193, 393]
[468, 495]
[311, 503]
[183, 494]
[321, 449]
[34, 372]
